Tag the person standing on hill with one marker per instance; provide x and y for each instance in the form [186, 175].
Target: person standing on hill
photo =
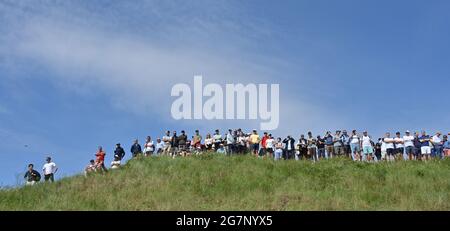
[321, 148]
[367, 147]
[136, 149]
[197, 140]
[355, 147]
[32, 176]
[209, 142]
[119, 151]
[159, 146]
[182, 142]
[389, 145]
[278, 149]
[254, 142]
[262, 151]
[289, 145]
[378, 151]
[49, 170]
[217, 138]
[346, 145]
[329, 149]
[230, 142]
[167, 143]
[337, 143]
[446, 146]
[174, 144]
[425, 146]
[149, 146]
[100, 159]
[408, 140]
[437, 145]
[270, 144]
[399, 146]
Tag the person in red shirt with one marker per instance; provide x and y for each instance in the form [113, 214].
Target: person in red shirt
[264, 144]
[100, 159]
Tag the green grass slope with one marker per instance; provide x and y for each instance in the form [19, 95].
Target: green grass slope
[215, 182]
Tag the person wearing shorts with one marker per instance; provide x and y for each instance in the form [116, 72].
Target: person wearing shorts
[270, 144]
[167, 139]
[337, 144]
[389, 145]
[366, 144]
[437, 146]
[355, 146]
[408, 140]
[399, 146]
[254, 142]
[425, 148]
[417, 146]
[446, 146]
[312, 149]
[278, 149]
[329, 149]
[320, 148]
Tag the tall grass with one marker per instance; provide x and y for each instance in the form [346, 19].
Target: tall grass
[216, 182]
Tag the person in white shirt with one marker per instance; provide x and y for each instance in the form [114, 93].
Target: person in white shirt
[159, 146]
[279, 146]
[270, 143]
[355, 146]
[382, 149]
[437, 143]
[166, 139]
[208, 142]
[91, 168]
[149, 146]
[389, 145]
[115, 164]
[367, 146]
[408, 142]
[49, 170]
[399, 146]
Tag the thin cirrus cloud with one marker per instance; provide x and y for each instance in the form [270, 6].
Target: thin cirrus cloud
[138, 69]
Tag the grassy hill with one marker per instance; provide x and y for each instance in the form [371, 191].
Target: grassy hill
[215, 182]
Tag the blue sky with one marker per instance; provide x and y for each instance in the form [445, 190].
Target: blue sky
[78, 74]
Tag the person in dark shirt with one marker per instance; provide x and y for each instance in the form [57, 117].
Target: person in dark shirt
[320, 147]
[32, 176]
[174, 144]
[119, 152]
[302, 147]
[289, 146]
[417, 146]
[182, 141]
[136, 149]
[378, 150]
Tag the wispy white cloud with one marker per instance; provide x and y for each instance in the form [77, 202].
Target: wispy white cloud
[138, 69]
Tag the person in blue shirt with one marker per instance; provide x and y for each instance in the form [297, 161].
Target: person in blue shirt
[425, 146]
[345, 139]
[221, 149]
[329, 149]
[446, 146]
